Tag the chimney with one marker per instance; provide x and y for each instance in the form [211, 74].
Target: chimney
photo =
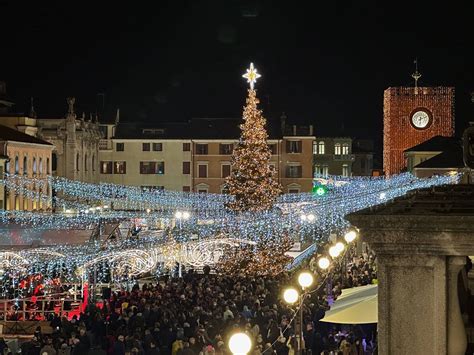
[310, 129]
[294, 130]
[283, 123]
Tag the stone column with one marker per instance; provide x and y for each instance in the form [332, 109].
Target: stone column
[457, 339]
[419, 257]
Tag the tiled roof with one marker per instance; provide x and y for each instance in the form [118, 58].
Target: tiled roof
[436, 144]
[450, 159]
[10, 134]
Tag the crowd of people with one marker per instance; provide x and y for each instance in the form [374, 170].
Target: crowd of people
[195, 315]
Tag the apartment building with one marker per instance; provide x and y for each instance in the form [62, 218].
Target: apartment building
[333, 156]
[196, 155]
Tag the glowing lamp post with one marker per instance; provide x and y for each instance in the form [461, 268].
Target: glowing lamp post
[291, 296]
[240, 344]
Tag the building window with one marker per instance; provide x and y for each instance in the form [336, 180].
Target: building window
[34, 165]
[47, 166]
[186, 147]
[41, 166]
[201, 149]
[25, 165]
[106, 167]
[225, 170]
[202, 188]
[345, 170]
[157, 147]
[17, 166]
[77, 162]
[120, 147]
[294, 171]
[54, 162]
[362, 163]
[225, 149]
[146, 147]
[93, 163]
[120, 167]
[202, 170]
[293, 147]
[186, 167]
[273, 148]
[337, 149]
[7, 169]
[152, 167]
[315, 148]
[325, 170]
[345, 149]
[186, 188]
[321, 148]
[85, 162]
[293, 191]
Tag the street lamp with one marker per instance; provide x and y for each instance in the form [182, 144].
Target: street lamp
[305, 279]
[334, 251]
[323, 263]
[240, 344]
[350, 236]
[290, 295]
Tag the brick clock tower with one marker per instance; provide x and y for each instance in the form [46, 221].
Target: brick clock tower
[412, 115]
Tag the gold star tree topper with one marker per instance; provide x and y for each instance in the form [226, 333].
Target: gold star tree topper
[251, 75]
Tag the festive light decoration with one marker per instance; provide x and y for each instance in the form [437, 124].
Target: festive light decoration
[252, 181]
[251, 75]
[260, 237]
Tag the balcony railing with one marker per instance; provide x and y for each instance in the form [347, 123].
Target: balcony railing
[105, 144]
[347, 157]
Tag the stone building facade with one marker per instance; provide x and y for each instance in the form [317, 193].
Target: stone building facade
[196, 155]
[75, 140]
[333, 156]
[26, 157]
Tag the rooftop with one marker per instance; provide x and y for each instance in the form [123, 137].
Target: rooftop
[436, 144]
[197, 128]
[9, 134]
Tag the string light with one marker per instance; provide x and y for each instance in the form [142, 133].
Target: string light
[261, 236]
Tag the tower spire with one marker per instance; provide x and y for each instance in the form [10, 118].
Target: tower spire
[416, 75]
[32, 108]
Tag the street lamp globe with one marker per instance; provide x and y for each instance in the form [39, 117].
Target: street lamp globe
[350, 236]
[323, 263]
[303, 217]
[240, 343]
[334, 251]
[178, 214]
[290, 295]
[186, 215]
[310, 217]
[305, 279]
[340, 246]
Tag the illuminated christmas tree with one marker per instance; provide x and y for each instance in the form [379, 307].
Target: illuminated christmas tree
[252, 180]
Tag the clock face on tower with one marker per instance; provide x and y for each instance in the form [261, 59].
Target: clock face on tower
[420, 118]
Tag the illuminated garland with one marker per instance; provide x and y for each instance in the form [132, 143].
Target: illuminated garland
[209, 222]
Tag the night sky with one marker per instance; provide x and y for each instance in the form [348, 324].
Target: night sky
[162, 61]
